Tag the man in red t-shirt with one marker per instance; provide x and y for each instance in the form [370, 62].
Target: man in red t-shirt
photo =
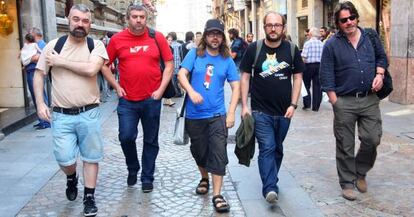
[141, 86]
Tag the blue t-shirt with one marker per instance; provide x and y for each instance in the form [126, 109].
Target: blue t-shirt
[208, 75]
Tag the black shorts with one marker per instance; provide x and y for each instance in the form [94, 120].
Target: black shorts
[209, 143]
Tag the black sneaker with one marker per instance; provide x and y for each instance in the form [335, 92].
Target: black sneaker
[147, 187]
[89, 208]
[72, 189]
[132, 179]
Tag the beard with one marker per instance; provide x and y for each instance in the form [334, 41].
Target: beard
[213, 46]
[278, 37]
[79, 32]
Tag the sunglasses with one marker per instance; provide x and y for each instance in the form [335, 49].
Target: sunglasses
[351, 18]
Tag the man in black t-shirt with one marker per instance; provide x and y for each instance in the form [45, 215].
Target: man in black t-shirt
[273, 99]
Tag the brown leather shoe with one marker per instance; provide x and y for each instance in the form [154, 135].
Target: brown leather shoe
[348, 194]
[361, 185]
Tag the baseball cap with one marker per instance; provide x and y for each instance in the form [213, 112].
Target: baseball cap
[214, 24]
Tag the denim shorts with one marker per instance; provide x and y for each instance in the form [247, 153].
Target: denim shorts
[74, 134]
[209, 143]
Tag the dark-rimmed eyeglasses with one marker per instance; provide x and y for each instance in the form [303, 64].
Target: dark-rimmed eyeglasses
[216, 34]
[271, 26]
[351, 18]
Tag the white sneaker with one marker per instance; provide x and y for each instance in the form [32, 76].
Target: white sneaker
[271, 197]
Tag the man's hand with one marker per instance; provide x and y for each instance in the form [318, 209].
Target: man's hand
[52, 58]
[195, 97]
[157, 95]
[43, 112]
[121, 92]
[230, 120]
[290, 111]
[245, 111]
[378, 82]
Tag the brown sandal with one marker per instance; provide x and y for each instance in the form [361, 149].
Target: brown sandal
[203, 186]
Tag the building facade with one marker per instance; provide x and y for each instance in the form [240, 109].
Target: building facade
[50, 17]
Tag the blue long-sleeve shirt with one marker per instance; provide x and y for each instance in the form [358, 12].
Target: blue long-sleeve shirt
[347, 70]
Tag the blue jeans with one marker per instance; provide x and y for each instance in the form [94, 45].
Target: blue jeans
[29, 79]
[270, 132]
[129, 115]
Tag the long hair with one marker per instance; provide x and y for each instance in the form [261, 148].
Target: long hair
[224, 49]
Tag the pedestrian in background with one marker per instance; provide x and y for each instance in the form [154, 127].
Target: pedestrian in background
[352, 70]
[140, 89]
[198, 37]
[209, 66]
[75, 100]
[238, 45]
[188, 45]
[177, 62]
[30, 69]
[249, 38]
[273, 99]
[311, 54]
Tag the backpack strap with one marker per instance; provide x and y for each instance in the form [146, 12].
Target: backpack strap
[58, 48]
[292, 54]
[151, 33]
[90, 43]
[259, 44]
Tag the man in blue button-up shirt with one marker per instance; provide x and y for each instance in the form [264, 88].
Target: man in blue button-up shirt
[351, 72]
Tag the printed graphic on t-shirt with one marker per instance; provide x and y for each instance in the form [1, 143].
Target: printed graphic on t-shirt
[136, 49]
[209, 74]
[271, 67]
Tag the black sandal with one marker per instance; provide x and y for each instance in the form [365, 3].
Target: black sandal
[220, 204]
[203, 186]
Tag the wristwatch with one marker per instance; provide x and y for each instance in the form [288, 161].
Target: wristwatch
[294, 105]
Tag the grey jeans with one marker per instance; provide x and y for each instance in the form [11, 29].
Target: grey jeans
[365, 113]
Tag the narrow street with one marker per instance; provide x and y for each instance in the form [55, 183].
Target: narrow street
[308, 180]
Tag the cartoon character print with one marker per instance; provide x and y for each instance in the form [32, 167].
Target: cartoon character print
[209, 74]
[271, 66]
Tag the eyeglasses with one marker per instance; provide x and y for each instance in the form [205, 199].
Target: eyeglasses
[351, 18]
[216, 34]
[271, 26]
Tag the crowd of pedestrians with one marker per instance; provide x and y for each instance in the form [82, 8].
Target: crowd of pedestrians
[346, 65]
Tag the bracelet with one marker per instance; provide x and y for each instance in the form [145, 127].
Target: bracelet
[293, 105]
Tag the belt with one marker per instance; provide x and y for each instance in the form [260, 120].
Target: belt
[75, 110]
[359, 94]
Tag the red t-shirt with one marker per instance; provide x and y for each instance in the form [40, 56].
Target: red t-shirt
[139, 62]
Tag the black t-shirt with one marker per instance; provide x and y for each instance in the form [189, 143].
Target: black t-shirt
[271, 87]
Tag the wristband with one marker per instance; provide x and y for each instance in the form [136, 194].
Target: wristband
[293, 105]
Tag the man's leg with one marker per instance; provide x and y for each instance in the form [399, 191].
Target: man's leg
[316, 88]
[196, 130]
[265, 135]
[128, 119]
[369, 133]
[150, 126]
[66, 150]
[281, 132]
[345, 117]
[307, 82]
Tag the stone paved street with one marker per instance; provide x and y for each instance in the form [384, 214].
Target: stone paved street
[174, 187]
[308, 179]
[310, 158]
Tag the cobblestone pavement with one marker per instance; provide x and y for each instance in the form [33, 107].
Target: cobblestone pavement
[176, 177]
[310, 158]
